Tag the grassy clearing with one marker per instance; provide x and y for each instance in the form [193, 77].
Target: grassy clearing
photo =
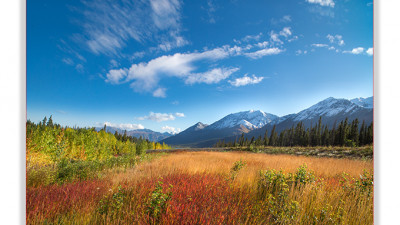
[213, 188]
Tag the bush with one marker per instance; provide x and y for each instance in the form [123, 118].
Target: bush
[158, 202]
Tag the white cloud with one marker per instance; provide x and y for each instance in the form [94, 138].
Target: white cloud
[262, 44]
[355, 51]
[179, 115]
[263, 52]
[171, 130]
[319, 45]
[286, 32]
[109, 25]
[115, 76]
[68, 61]
[79, 68]
[211, 76]
[160, 93]
[370, 51]
[336, 39]
[246, 80]
[159, 117]
[286, 18]
[124, 126]
[299, 52]
[114, 63]
[275, 38]
[329, 3]
[145, 76]
[252, 37]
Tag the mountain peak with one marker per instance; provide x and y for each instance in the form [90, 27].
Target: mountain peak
[364, 102]
[250, 119]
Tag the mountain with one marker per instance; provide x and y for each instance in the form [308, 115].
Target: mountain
[230, 125]
[250, 119]
[255, 122]
[331, 111]
[364, 102]
[144, 133]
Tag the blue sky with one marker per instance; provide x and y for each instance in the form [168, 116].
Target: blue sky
[167, 64]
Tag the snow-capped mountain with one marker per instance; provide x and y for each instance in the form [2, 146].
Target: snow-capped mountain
[364, 102]
[250, 119]
[255, 122]
[327, 108]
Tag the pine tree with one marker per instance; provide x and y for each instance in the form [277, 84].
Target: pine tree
[272, 138]
[362, 139]
[266, 142]
[50, 122]
[241, 140]
[354, 132]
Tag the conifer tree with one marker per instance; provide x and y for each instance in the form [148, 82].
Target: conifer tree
[362, 136]
[272, 138]
[50, 122]
[266, 142]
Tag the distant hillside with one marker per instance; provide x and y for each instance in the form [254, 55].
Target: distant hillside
[144, 133]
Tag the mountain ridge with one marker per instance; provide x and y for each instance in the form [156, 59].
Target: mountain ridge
[330, 110]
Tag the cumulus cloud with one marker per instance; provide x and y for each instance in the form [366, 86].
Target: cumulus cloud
[115, 76]
[286, 32]
[263, 44]
[355, 51]
[329, 3]
[124, 126]
[370, 51]
[171, 130]
[145, 76]
[159, 117]
[210, 77]
[338, 39]
[263, 52]
[160, 93]
[242, 81]
[275, 37]
[299, 52]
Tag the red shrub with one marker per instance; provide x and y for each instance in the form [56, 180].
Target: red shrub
[50, 201]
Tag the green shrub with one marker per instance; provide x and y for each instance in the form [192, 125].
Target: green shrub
[111, 205]
[237, 166]
[158, 202]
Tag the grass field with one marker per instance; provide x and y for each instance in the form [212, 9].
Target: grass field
[213, 188]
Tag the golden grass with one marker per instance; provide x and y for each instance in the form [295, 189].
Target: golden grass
[222, 162]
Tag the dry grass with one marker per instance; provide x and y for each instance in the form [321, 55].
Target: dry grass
[221, 163]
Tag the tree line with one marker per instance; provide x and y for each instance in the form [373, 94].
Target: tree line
[60, 142]
[345, 134]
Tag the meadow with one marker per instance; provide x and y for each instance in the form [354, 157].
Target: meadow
[211, 188]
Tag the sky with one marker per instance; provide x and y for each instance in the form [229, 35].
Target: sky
[165, 65]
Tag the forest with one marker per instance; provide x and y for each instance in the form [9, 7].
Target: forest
[345, 134]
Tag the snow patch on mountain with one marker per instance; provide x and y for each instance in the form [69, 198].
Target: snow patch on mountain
[329, 107]
[364, 102]
[251, 119]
